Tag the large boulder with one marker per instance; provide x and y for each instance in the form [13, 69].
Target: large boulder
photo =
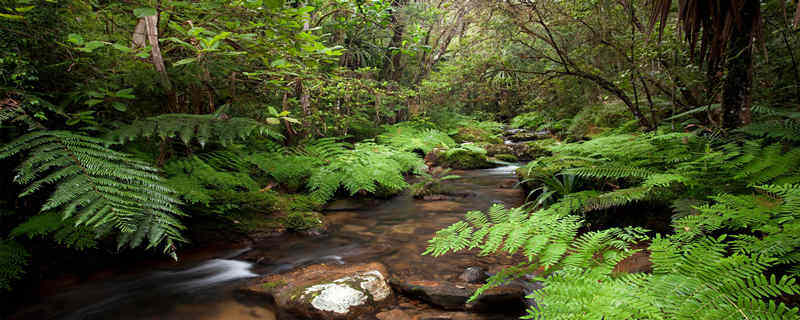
[454, 296]
[328, 292]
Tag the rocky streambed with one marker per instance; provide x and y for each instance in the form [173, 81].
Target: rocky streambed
[368, 265]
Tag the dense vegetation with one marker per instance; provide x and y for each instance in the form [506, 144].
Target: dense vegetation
[652, 127]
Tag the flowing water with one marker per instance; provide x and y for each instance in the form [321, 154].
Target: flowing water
[394, 232]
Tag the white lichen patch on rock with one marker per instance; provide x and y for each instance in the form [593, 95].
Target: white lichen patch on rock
[343, 293]
[334, 297]
[375, 284]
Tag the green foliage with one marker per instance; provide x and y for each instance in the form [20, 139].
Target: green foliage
[52, 225]
[700, 280]
[598, 118]
[98, 187]
[774, 215]
[190, 127]
[216, 182]
[367, 168]
[408, 138]
[431, 183]
[529, 120]
[13, 259]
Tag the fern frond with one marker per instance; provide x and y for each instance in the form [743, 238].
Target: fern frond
[13, 259]
[101, 188]
[191, 127]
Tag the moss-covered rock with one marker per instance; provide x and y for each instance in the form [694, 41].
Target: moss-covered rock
[506, 157]
[464, 157]
[307, 221]
[499, 148]
[476, 135]
[537, 149]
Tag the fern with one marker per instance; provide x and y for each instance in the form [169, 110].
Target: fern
[689, 282]
[408, 138]
[98, 187]
[13, 259]
[51, 224]
[191, 127]
[366, 168]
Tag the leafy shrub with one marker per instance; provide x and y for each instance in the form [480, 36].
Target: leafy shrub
[408, 138]
[368, 168]
[530, 121]
[598, 118]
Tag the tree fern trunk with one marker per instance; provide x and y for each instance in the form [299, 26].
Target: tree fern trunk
[736, 92]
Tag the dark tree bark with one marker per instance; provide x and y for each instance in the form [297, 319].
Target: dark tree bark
[739, 81]
[391, 66]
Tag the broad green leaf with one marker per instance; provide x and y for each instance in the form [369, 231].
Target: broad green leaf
[144, 12]
[24, 9]
[91, 46]
[121, 47]
[119, 106]
[11, 16]
[93, 102]
[292, 120]
[184, 61]
[278, 63]
[272, 110]
[273, 4]
[75, 38]
[125, 93]
[273, 121]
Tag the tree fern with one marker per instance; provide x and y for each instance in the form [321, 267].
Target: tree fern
[98, 187]
[190, 127]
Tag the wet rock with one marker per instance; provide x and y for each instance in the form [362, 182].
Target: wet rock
[350, 205]
[453, 296]
[328, 292]
[439, 206]
[500, 148]
[395, 314]
[444, 315]
[507, 157]
[473, 275]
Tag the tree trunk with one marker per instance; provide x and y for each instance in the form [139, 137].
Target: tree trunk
[149, 25]
[739, 64]
[391, 66]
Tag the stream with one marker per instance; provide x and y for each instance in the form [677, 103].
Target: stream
[394, 232]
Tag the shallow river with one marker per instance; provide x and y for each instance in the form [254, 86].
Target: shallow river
[393, 232]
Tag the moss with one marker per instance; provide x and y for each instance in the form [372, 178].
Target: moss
[477, 135]
[300, 221]
[466, 157]
[494, 149]
[538, 149]
[273, 284]
[506, 157]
